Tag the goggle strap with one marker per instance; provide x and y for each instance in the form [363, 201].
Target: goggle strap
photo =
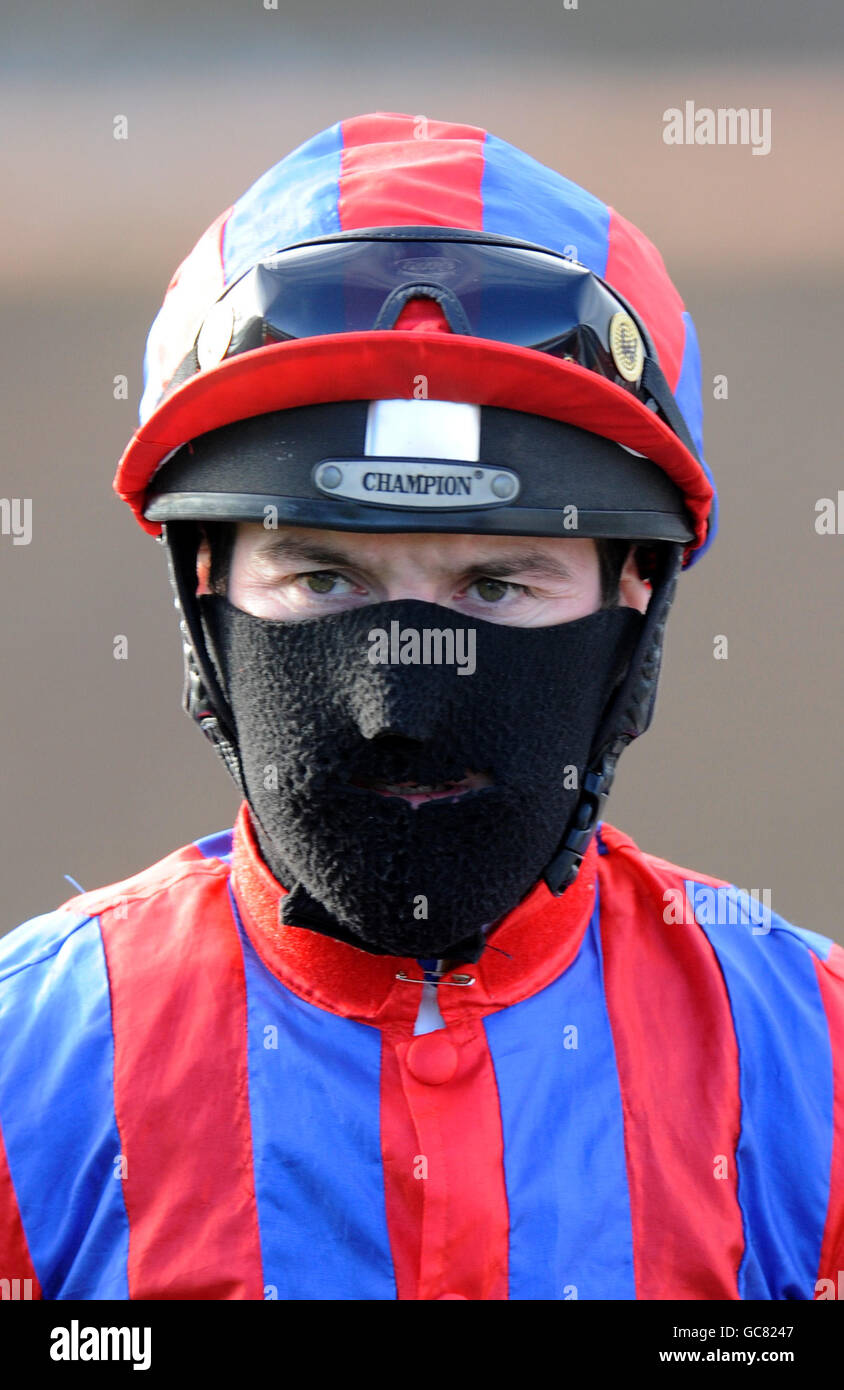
[656, 386]
[447, 300]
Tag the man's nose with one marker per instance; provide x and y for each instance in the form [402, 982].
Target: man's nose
[408, 701]
[420, 587]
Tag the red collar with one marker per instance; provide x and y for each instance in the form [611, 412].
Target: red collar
[534, 944]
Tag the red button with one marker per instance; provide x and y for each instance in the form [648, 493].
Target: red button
[441, 1296]
[432, 1058]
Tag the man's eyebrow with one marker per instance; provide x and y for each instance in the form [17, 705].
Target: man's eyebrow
[497, 566]
[291, 548]
[522, 562]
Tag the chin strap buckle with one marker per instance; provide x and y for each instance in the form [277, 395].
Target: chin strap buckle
[565, 866]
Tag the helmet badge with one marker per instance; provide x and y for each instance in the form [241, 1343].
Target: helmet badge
[626, 346]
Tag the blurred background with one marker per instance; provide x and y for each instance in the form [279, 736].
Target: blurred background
[741, 773]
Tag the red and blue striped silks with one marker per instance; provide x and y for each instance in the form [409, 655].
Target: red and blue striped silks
[387, 169]
[196, 1102]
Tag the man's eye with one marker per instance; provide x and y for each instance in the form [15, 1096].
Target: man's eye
[493, 590]
[322, 581]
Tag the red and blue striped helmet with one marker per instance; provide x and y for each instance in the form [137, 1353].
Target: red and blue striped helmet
[385, 170]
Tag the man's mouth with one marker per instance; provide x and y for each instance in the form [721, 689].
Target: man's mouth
[417, 793]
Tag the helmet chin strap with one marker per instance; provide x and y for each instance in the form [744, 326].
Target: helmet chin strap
[202, 696]
[628, 713]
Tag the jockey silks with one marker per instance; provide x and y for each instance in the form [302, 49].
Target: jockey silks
[410, 692]
[610, 1111]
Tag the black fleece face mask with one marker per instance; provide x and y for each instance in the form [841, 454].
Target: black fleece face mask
[327, 707]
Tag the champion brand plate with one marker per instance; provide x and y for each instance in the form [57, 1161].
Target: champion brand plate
[404, 482]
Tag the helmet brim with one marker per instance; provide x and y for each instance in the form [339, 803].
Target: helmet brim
[525, 475]
[400, 364]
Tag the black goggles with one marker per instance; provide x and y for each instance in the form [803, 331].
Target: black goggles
[487, 287]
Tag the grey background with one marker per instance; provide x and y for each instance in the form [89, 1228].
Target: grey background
[102, 773]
